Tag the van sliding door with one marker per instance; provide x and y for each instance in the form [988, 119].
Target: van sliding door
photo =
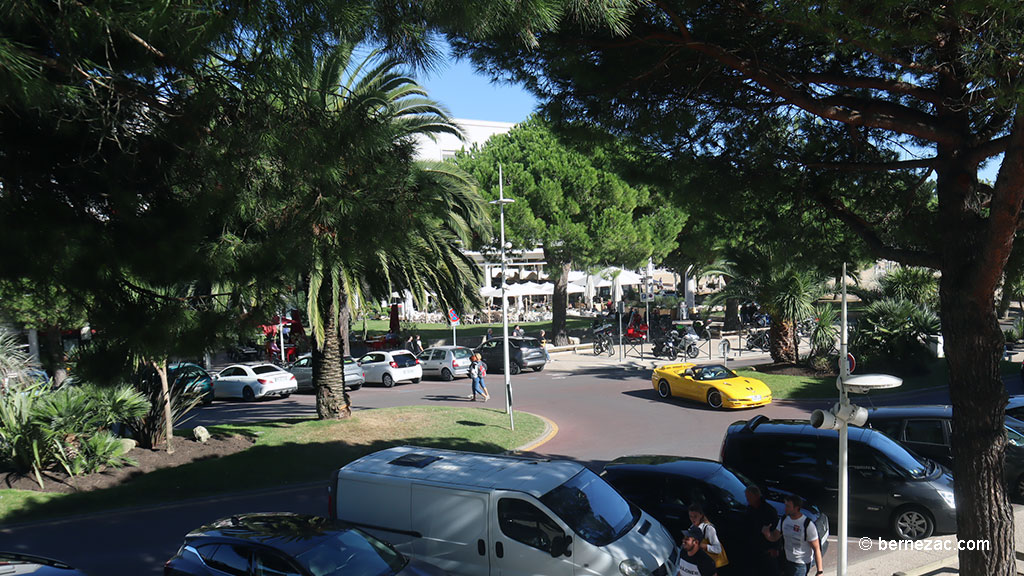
[522, 537]
[453, 528]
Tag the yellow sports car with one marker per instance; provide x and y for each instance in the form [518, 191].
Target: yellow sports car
[714, 384]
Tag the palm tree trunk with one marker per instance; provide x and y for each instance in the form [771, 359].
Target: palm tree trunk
[165, 395]
[332, 400]
[780, 335]
[732, 314]
[55, 354]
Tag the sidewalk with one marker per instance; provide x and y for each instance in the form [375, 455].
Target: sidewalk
[582, 357]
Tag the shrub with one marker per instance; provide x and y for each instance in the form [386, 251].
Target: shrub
[894, 331]
[825, 332]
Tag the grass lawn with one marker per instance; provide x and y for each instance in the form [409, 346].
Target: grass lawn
[466, 334]
[290, 452]
[804, 387]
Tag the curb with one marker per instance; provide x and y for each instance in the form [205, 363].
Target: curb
[550, 430]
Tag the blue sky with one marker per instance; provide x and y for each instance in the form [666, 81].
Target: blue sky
[471, 96]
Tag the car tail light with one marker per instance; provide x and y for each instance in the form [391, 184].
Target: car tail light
[455, 364]
[394, 364]
[417, 360]
[292, 377]
[263, 381]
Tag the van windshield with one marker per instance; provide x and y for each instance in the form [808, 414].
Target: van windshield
[592, 508]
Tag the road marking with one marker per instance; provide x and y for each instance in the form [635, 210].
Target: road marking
[552, 430]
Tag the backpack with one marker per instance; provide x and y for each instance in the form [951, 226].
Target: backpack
[807, 522]
[482, 368]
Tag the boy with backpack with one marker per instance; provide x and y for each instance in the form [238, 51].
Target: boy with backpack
[800, 538]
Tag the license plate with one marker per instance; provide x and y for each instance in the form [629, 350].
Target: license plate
[756, 398]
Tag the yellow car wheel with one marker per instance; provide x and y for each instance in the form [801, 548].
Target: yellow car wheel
[664, 390]
[714, 398]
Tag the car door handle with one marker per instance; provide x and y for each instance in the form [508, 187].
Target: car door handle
[499, 550]
[481, 547]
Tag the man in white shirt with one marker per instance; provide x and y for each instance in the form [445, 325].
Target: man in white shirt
[801, 540]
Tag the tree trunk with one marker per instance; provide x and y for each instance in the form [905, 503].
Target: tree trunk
[559, 304]
[732, 314]
[55, 355]
[332, 401]
[165, 395]
[780, 340]
[344, 316]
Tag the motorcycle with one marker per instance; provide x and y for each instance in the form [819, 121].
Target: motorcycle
[603, 341]
[668, 347]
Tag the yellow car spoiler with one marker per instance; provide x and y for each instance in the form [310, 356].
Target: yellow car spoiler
[678, 367]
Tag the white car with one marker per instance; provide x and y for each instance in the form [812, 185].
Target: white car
[252, 382]
[446, 362]
[390, 367]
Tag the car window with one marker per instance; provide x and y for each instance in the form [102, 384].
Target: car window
[639, 488]
[370, 358]
[524, 522]
[899, 456]
[266, 369]
[925, 431]
[425, 355]
[1014, 437]
[232, 372]
[489, 345]
[404, 360]
[681, 492]
[230, 559]
[531, 343]
[266, 563]
[438, 354]
[891, 428]
[304, 363]
[352, 553]
[461, 353]
[797, 453]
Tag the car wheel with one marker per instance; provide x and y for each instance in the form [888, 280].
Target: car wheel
[446, 375]
[538, 368]
[714, 398]
[387, 381]
[912, 523]
[248, 395]
[664, 390]
[513, 368]
[416, 380]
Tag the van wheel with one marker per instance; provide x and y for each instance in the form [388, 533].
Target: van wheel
[446, 375]
[387, 381]
[912, 523]
[513, 368]
[247, 394]
[664, 390]
[714, 398]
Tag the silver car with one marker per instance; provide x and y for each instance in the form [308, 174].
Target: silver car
[446, 362]
[303, 371]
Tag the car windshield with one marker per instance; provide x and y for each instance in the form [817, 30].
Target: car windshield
[592, 508]
[715, 372]
[460, 353]
[732, 486]
[901, 457]
[530, 343]
[352, 553]
[265, 369]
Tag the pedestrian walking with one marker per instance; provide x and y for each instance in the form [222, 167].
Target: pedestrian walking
[762, 555]
[800, 540]
[417, 345]
[710, 543]
[693, 561]
[477, 371]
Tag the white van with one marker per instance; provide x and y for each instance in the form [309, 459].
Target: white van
[478, 514]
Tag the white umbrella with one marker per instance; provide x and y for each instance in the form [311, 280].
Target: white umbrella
[624, 277]
[488, 292]
[571, 288]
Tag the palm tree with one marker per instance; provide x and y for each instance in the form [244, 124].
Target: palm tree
[377, 220]
[786, 292]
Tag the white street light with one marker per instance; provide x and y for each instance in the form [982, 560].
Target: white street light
[501, 201]
[840, 416]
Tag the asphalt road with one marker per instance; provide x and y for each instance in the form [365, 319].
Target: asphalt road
[601, 414]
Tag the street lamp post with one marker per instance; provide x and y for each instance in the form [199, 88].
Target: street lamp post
[840, 416]
[501, 201]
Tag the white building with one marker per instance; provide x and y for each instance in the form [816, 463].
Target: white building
[445, 147]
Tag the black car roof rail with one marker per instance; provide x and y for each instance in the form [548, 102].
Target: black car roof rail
[755, 422]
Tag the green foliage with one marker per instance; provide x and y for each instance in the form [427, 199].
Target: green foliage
[894, 331]
[917, 285]
[825, 332]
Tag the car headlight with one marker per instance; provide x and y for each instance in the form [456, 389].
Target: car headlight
[947, 497]
[633, 568]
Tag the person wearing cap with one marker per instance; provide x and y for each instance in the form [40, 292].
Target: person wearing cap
[692, 560]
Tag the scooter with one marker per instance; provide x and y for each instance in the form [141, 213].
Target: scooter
[667, 348]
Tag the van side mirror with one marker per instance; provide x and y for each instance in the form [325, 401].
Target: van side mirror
[560, 546]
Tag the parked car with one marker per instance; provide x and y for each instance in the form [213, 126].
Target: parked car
[192, 378]
[522, 353]
[477, 514]
[666, 486]
[15, 563]
[889, 486]
[252, 382]
[1015, 407]
[928, 431]
[285, 544]
[388, 367]
[446, 362]
[714, 384]
[302, 369]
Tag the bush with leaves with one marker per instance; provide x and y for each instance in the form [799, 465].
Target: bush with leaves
[825, 332]
[894, 332]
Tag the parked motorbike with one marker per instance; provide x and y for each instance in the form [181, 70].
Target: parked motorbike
[603, 340]
[667, 347]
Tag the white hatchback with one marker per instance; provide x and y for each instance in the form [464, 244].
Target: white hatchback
[252, 382]
[446, 362]
[390, 367]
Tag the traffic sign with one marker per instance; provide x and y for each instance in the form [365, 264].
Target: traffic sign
[453, 316]
[850, 361]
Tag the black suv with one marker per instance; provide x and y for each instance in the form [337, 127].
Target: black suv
[666, 486]
[292, 544]
[522, 353]
[928, 431]
[889, 486]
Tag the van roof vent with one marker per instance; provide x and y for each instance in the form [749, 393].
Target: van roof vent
[415, 460]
